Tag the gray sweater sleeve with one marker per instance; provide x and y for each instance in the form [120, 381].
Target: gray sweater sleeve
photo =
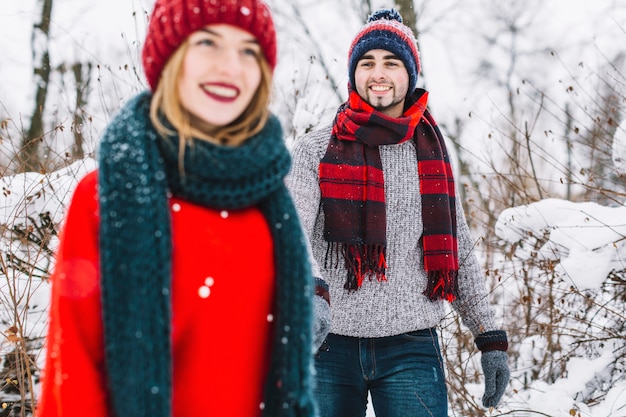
[473, 302]
[303, 184]
[396, 305]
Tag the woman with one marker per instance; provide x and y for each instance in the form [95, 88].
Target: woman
[182, 285]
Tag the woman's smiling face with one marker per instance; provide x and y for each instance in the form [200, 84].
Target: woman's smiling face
[220, 73]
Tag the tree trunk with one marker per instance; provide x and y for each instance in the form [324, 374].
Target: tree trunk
[29, 149]
[409, 18]
[82, 79]
[406, 9]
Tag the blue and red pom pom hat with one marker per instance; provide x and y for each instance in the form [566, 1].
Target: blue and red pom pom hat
[384, 30]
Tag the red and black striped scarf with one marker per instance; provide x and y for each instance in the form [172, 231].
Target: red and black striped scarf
[353, 193]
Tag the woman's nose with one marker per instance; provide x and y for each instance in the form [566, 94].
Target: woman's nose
[229, 61]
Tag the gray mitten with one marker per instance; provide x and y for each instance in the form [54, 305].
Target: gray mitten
[321, 322]
[494, 361]
[496, 370]
[321, 316]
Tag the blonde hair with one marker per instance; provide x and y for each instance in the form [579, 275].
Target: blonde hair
[166, 102]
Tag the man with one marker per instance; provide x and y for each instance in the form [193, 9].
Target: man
[376, 197]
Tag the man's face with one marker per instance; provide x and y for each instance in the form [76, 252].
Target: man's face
[382, 81]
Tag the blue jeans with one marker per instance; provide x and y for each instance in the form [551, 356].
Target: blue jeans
[404, 375]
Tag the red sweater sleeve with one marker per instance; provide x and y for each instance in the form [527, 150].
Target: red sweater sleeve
[73, 383]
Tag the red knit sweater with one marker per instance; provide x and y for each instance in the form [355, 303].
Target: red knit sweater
[222, 293]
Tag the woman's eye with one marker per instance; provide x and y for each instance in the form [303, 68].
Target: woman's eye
[206, 42]
[253, 52]
[250, 51]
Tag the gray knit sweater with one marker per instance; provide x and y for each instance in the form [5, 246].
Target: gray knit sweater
[397, 305]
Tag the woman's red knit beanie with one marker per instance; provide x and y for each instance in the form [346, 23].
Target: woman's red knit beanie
[172, 21]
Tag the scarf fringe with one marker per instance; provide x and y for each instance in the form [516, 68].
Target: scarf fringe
[361, 261]
[442, 285]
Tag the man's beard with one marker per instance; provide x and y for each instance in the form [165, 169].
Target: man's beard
[382, 107]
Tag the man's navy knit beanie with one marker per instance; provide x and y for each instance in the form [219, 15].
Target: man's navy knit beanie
[384, 30]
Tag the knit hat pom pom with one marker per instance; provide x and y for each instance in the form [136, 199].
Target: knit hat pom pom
[387, 14]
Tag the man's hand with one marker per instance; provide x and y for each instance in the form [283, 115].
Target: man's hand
[496, 371]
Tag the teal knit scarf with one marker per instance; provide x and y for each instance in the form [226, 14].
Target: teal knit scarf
[137, 172]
